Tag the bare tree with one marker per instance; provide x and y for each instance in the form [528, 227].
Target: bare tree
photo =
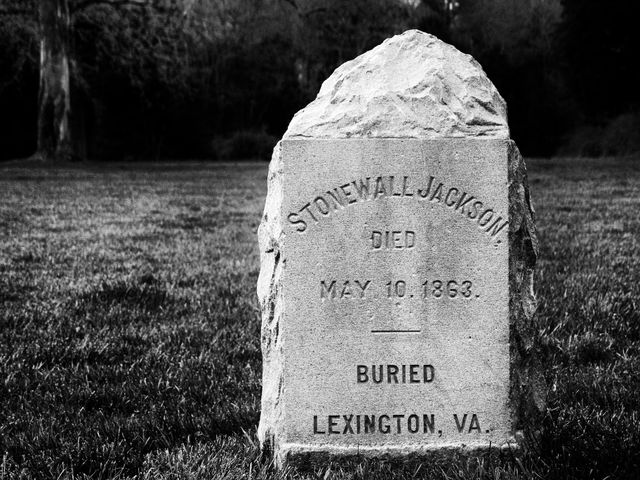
[54, 97]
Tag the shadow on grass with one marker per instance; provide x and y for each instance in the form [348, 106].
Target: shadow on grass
[120, 302]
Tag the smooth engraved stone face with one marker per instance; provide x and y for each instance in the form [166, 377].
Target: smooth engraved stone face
[395, 294]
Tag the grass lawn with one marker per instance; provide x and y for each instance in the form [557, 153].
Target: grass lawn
[129, 329]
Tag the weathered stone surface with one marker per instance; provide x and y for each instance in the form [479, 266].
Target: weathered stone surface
[412, 85]
[471, 342]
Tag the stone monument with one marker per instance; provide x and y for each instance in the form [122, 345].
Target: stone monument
[397, 253]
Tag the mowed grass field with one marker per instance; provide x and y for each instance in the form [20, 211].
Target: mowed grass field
[130, 334]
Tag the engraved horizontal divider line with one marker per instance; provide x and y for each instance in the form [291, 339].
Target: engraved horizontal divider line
[396, 331]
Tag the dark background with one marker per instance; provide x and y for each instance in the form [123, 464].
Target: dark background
[220, 79]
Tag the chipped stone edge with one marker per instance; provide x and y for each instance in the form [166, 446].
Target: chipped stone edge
[527, 394]
[271, 300]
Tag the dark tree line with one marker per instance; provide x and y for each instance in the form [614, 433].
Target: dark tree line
[117, 79]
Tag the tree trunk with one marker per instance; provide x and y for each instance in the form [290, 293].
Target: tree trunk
[54, 101]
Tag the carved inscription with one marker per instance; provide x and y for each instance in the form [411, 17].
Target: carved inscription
[369, 424]
[394, 424]
[395, 374]
[343, 289]
[390, 187]
[398, 289]
[394, 281]
[393, 240]
[450, 289]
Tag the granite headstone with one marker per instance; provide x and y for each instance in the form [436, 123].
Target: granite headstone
[397, 249]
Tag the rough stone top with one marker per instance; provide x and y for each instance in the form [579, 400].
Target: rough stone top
[412, 85]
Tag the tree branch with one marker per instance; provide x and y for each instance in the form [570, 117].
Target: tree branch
[313, 11]
[306, 14]
[114, 3]
[292, 3]
[16, 11]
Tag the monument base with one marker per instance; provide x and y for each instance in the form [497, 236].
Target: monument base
[305, 456]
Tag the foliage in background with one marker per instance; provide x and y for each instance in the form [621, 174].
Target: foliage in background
[166, 78]
[620, 136]
[243, 145]
[515, 42]
[601, 44]
[18, 79]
